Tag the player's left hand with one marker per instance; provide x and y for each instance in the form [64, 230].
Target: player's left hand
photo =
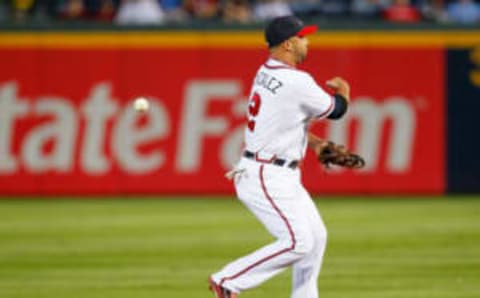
[328, 153]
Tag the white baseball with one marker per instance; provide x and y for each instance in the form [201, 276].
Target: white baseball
[141, 104]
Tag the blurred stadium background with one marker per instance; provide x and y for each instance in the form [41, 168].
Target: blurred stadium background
[97, 200]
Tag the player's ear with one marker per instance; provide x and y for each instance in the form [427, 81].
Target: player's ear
[288, 45]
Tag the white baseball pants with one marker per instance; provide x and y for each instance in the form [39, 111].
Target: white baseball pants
[275, 195]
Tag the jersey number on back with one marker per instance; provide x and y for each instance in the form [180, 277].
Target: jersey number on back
[253, 109]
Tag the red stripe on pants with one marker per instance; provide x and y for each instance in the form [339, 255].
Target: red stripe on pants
[285, 220]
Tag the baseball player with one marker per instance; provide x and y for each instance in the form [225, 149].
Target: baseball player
[283, 101]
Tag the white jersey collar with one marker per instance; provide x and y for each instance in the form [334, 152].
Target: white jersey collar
[273, 63]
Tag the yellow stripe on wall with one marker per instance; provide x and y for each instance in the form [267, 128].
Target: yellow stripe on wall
[235, 39]
[398, 39]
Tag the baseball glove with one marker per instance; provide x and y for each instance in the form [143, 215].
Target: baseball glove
[329, 153]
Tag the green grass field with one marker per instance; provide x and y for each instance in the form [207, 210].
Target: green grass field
[378, 248]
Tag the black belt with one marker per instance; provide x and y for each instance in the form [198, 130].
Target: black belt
[276, 161]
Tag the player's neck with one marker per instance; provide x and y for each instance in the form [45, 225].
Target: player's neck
[284, 57]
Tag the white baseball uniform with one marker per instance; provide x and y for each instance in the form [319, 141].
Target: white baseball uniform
[283, 101]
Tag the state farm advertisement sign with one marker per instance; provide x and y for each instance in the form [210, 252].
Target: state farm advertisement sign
[67, 125]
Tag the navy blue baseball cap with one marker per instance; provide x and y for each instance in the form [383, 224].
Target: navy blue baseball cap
[282, 28]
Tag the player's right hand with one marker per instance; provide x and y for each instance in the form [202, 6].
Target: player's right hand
[340, 86]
